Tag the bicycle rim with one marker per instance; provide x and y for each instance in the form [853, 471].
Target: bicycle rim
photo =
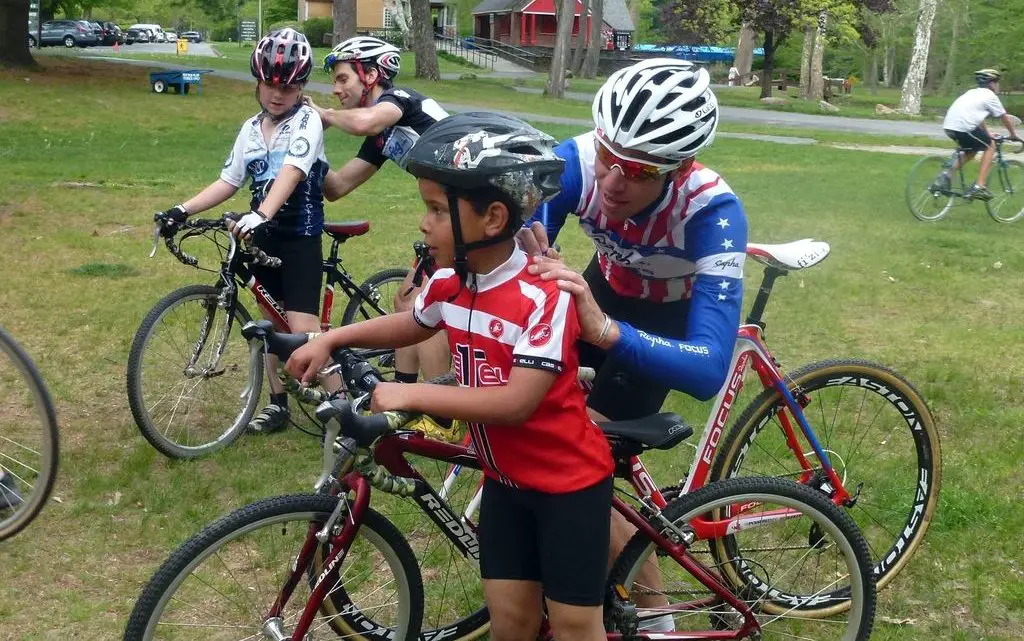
[880, 437]
[453, 593]
[1007, 204]
[926, 203]
[379, 291]
[28, 439]
[193, 388]
[784, 569]
[221, 584]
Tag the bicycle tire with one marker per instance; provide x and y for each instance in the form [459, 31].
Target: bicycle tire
[921, 199]
[770, 603]
[38, 475]
[1010, 186]
[213, 435]
[461, 618]
[745, 451]
[310, 511]
[356, 309]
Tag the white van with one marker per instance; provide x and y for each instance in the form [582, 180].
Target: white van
[158, 33]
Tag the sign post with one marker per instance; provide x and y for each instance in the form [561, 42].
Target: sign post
[248, 31]
[34, 26]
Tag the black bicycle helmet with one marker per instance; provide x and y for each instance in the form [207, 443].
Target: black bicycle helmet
[985, 76]
[475, 150]
[282, 57]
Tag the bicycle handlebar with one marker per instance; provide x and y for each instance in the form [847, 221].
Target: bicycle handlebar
[201, 225]
[1002, 140]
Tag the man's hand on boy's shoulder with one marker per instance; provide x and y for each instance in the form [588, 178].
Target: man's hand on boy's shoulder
[318, 109]
[391, 396]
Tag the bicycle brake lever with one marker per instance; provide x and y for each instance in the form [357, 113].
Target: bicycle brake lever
[156, 239]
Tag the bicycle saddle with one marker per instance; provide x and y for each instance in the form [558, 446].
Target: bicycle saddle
[658, 431]
[347, 229]
[279, 344]
[798, 254]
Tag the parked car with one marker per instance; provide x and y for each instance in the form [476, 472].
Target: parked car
[111, 33]
[97, 28]
[171, 36]
[156, 34]
[69, 33]
[131, 36]
[192, 36]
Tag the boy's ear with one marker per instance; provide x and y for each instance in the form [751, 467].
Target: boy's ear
[495, 219]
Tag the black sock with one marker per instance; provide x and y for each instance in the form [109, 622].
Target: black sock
[406, 377]
[281, 400]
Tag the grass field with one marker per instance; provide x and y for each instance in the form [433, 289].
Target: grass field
[89, 153]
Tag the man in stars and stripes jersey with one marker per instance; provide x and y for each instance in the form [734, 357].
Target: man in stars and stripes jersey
[669, 235]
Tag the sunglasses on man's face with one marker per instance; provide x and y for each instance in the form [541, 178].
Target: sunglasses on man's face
[631, 168]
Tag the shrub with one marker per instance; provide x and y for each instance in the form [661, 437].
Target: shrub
[316, 29]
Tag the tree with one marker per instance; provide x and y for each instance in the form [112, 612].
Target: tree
[13, 42]
[816, 85]
[581, 40]
[556, 77]
[401, 13]
[423, 41]
[344, 14]
[593, 58]
[744, 59]
[910, 99]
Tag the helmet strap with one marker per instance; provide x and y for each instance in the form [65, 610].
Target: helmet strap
[367, 86]
[462, 248]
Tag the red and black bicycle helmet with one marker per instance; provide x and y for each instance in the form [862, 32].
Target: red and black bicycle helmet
[282, 57]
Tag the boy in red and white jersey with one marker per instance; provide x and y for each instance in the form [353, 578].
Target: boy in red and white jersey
[513, 339]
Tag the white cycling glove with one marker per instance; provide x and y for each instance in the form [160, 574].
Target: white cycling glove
[248, 223]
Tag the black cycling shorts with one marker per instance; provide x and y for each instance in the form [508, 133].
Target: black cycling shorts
[974, 140]
[618, 393]
[296, 284]
[559, 540]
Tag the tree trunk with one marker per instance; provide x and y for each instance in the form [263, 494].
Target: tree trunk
[559, 58]
[810, 33]
[592, 60]
[948, 79]
[745, 51]
[873, 72]
[344, 14]
[423, 41]
[13, 37]
[399, 14]
[887, 65]
[581, 41]
[816, 89]
[910, 99]
[769, 64]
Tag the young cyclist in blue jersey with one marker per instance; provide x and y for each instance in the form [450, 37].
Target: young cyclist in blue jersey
[281, 151]
[513, 337]
[670, 240]
[391, 119]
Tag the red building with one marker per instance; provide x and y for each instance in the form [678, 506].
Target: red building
[529, 23]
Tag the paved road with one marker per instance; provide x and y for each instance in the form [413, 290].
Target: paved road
[729, 114]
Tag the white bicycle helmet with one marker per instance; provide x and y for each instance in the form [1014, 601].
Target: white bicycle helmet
[366, 49]
[663, 107]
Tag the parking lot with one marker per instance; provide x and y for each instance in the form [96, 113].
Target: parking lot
[194, 48]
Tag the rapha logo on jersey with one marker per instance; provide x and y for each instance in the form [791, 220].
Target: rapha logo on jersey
[732, 263]
[496, 328]
[299, 148]
[540, 335]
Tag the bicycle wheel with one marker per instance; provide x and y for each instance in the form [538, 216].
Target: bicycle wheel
[1007, 204]
[454, 601]
[787, 569]
[880, 437]
[221, 583]
[926, 202]
[28, 439]
[193, 380]
[380, 290]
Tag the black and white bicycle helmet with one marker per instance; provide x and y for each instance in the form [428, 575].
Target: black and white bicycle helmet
[366, 50]
[663, 107]
[476, 150]
[985, 76]
[282, 57]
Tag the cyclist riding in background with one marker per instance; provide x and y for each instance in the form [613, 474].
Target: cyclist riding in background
[281, 150]
[965, 124]
[660, 301]
[391, 119]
